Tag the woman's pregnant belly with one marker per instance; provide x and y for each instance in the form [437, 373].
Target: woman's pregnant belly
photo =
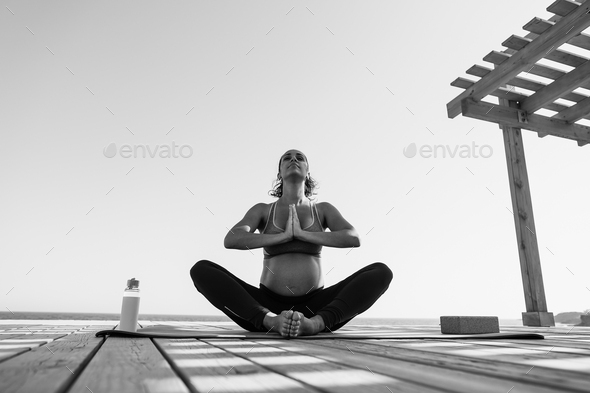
[292, 274]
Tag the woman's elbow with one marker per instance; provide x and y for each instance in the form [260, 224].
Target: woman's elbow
[228, 242]
[355, 239]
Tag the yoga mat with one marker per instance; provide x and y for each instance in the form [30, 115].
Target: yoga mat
[168, 331]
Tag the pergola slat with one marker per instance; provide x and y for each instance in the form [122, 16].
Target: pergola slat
[554, 90]
[502, 92]
[511, 95]
[509, 117]
[481, 71]
[558, 55]
[528, 84]
[538, 26]
[567, 27]
[498, 58]
[581, 41]
[575, 112]
[562, 7]
[524, 83]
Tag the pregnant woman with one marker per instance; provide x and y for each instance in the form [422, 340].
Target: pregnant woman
[291, 299]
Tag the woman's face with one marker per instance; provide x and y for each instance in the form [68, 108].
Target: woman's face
[293, 161]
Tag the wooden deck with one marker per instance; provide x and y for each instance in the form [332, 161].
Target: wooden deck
[65, 356]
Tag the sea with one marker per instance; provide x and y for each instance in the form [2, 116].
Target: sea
[19, 315]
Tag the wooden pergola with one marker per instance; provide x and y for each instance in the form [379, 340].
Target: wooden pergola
[517, 110]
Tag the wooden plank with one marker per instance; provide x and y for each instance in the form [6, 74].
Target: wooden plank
[581, 110]
[573, 345]
[12, 327]
[568, 342]
[581, 41]
[509, 116]
[48, 368]
[526, 236]
[501, 92]
[549, 357]
[427, 376]
[556, 342]
[573, 336]
[562, 87]
[565, 331]
[39, 329]
[491, 350]
[6, 354]
[538, 87]
[517, 81]
[488, 366]
[517, 43]
[545, 345]
[291, 360]
[538, 26]
[13, 335]
[37, 332]
[28, 342]
[310, 377]
[16, 344]
[128, 365]
[498, 58]
[569, 26]
[575, 340]
[563, 7]
[209, 368]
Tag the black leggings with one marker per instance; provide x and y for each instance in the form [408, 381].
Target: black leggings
[247, 305]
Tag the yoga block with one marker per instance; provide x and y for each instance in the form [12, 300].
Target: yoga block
[469, 325]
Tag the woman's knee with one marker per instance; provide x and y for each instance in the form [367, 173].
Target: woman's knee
[383, 271]
[200, 268]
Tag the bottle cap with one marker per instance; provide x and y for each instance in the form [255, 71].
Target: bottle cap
[133, 283]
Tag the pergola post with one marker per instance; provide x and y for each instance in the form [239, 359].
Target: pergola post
[528, 250]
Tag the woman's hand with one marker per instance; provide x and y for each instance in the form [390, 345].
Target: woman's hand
[297, 231]
[289, 226]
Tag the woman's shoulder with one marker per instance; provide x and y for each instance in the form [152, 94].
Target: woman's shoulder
[262, 207]
[324, 206]
[323, 209]
[260, 212]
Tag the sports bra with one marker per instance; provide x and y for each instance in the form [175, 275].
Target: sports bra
[294, 245]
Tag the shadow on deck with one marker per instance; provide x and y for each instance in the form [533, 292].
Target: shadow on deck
[65, 356]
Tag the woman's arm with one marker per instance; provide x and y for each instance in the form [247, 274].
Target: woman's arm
[341, 235]
[242, 236]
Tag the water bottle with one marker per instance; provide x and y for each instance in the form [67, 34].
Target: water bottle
[130, 308]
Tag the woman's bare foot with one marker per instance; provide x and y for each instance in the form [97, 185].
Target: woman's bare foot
[293, 323]
[306, 326]
[282, 323]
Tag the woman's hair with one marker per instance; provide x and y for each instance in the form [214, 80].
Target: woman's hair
[310, 185]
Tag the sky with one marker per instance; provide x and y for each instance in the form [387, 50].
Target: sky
[215, 93]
